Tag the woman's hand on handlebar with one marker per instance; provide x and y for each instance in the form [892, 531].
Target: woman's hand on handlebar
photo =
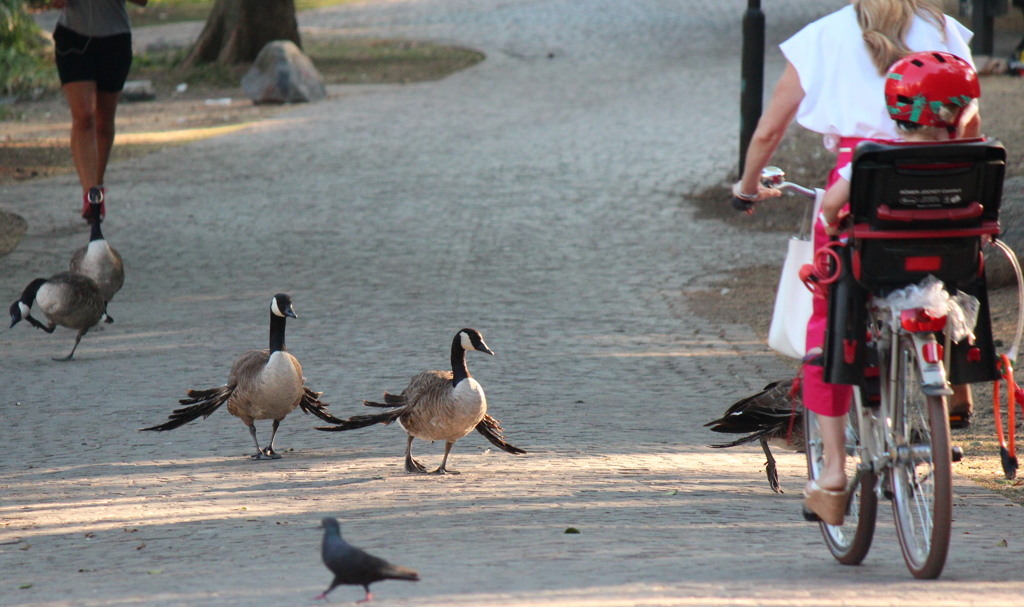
[745, 201]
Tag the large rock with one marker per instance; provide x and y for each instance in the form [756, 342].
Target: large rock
[1011, 222]
[283, 74]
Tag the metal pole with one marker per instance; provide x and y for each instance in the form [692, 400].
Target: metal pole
[751, 75]
[982, 25]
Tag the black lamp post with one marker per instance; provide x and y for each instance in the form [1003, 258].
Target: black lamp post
[751, 74]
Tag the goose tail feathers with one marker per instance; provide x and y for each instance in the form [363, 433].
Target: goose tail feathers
[362, 421]
[490, 428]
[201, 404]
[311, 403]
[390, 400]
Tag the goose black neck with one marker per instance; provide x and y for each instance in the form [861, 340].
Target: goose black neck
[97, 232]
[29, 294]
[276, 333]
[459, 369]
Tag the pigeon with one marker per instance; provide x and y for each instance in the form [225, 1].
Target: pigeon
[775, 414]
[352, 566]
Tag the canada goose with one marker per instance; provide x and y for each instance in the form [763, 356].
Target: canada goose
[352, 566]
[773, 415]
[263, 384]
[67, 299]
[438, 405]
[98, 260]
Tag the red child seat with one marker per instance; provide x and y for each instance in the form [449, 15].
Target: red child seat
[921, 209]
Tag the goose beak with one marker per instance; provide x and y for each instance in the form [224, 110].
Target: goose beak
[289, 311]
[484, 348]
[14, 320]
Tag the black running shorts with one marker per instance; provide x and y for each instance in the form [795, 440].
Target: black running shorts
[104, 60]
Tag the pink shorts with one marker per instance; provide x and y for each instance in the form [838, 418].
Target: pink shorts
[832, 400]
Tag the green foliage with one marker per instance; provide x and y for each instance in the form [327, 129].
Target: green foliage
[25, 52]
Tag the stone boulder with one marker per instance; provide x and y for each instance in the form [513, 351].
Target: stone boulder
[138, 90]
[998, 270]
[283, 74]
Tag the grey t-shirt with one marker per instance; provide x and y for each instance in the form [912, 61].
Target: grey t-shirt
[96, 17]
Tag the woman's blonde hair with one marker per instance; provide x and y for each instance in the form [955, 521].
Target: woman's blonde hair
[885, 23]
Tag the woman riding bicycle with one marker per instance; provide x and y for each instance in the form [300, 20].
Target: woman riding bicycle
[834, 84]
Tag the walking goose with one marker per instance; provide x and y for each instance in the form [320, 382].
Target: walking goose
[67, 299]
[263, 384]
[98, 260]
[438, 405]
[774, 415]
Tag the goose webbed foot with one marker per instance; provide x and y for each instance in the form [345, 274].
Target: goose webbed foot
[109, 319]
[770, 469]
[414, 466]
[63, 359]
[270, 453]
[35, 323]
[78, 338]
[443, 468]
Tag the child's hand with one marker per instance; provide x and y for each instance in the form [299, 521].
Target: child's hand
[842, 223]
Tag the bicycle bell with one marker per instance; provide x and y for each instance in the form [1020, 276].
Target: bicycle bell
[772, 177]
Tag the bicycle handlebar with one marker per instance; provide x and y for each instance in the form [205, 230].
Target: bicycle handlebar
[773, 177]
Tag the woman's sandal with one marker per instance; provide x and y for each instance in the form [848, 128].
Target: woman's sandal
[958, 420]
[829, 505]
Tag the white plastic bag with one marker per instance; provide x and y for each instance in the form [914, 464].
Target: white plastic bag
[787, 334]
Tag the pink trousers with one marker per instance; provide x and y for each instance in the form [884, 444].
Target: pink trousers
[825, 399]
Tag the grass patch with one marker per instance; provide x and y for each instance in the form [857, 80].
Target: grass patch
[339, 61]
[359, 61]
[158, 12]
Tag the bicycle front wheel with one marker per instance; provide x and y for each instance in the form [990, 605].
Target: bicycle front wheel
[921, 470]
[849, 543]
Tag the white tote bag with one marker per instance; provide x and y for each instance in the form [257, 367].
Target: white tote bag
[793, 302]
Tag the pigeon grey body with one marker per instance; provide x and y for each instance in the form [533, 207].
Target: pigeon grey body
[775, 415]
[354, 567]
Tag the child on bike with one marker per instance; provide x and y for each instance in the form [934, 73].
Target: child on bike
[932, 96]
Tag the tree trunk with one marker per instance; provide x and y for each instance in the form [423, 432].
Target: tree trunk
[236, 30]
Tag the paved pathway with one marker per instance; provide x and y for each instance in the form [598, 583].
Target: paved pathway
[539, 197]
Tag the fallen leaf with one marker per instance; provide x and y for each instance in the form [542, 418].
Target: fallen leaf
[24, 586]
[1001, 543]
[155, 571]
[25, 547]
[572, 530]
[672, 492]
[90, 535]
[140, 546]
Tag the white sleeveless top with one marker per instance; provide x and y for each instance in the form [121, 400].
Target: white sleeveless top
[844, 95]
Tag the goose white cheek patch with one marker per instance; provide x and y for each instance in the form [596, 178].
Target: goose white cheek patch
[467, 343]
[273, 307]
[24, 309]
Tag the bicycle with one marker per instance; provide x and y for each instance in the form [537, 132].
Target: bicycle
[897, 356]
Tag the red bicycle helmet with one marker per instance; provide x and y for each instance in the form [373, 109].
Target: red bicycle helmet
[922, 87]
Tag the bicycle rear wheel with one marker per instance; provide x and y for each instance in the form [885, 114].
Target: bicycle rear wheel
[849, 543]
[921, 471]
